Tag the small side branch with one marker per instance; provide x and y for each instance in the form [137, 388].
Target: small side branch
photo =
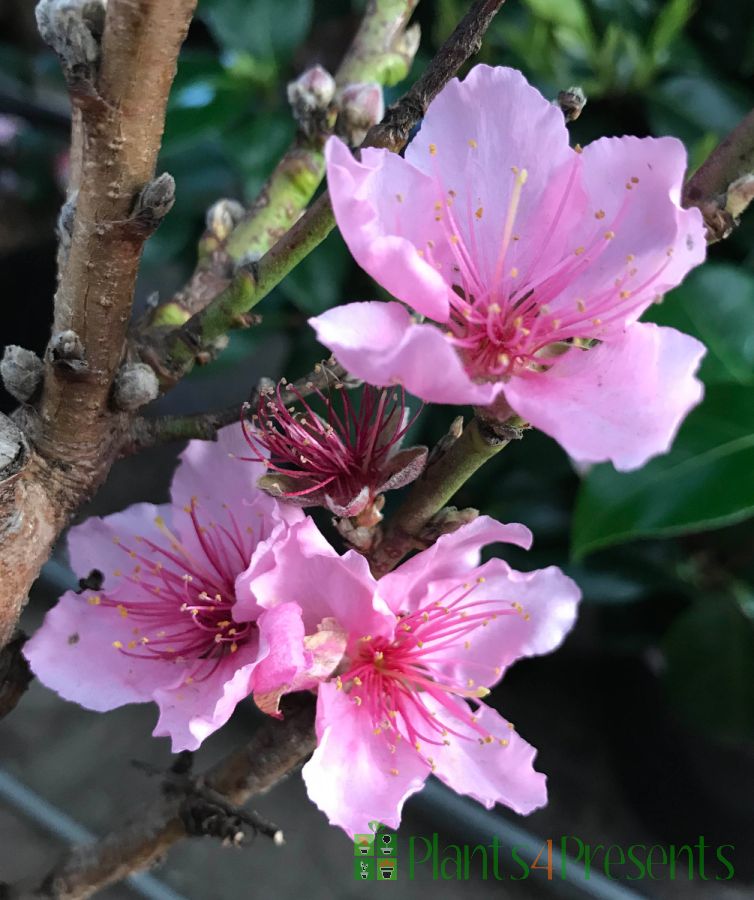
[477, 444]
[723, 186]
[176, 353]
[276, 749]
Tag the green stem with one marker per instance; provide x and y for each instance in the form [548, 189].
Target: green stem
[178, 349]
[477, 444]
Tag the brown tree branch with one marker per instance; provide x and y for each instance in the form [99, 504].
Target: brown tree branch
[15, 674]
[120, 109]
[276, 749]
[729, 166]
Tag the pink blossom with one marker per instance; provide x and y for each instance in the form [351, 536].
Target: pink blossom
[424, 644]
[342, 461]
[534, 260]
[163, 626]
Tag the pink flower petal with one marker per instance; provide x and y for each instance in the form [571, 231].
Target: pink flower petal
[473, 133]
[653, 243]
[452, 556]
[352, 776]
[546, 604]
[194, 709]
[621, 401]
[379, 343]
[99, 543]
[498, 771]
[385, 210]
[73, 654]
[302, 568]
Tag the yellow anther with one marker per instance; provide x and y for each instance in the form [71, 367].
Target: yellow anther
[131, 645]
[467, 645]
[514, 272]
[118, 645]
[600, 214]
[579, 250]
[123, 611]
[609, 235]
[634, 179]
[394, 772]
[625, 295]
[480, 212]
[503, 742]
[472, 143]
[357, 700]
[596, 321]
[488, 739]
[433, 149]
[357, 681]
[339, 683]
[95, 601]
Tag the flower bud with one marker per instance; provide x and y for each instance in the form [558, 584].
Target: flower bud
[21, 371]
[135, 385]
[361, 106]
[310, 96]
[222, 217]
[73, 28]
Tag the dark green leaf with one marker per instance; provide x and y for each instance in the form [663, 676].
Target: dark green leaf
[710, 674]
[704, 482]
[716, 304]
[264, 28]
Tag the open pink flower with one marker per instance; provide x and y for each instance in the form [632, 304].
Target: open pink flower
[534, 260]
[163, 625]
[424, 642]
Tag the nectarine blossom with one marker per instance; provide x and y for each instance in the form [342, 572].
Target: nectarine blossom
[163, 627]
[528, 264]
[424, 645]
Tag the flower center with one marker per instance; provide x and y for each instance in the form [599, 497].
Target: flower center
[393, 679]
[182, 610]
[518, 311]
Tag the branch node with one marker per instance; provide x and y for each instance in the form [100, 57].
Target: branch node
[22, 372]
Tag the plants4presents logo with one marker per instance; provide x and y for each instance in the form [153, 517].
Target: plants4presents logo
[375, 855]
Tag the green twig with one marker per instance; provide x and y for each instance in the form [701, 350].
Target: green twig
[478, 443]
[178, 349]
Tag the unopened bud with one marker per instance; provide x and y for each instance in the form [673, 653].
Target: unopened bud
[361, 106]
[156, 199]
[310, 96]
[222, 217]
[135, 385]
[314, 89]
[65, 345]
[21, 371]
[73, 28]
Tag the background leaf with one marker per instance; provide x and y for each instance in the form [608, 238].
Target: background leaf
[704, 482]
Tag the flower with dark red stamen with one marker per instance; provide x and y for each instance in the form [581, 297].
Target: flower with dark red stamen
[425, 644]
[163, 625]
[343, 461]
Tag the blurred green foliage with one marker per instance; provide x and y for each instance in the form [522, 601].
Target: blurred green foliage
[641, 543]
